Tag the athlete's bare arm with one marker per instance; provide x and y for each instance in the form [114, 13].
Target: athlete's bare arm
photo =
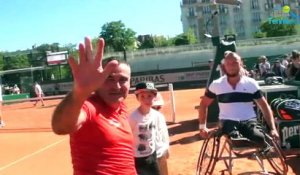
[268, 115]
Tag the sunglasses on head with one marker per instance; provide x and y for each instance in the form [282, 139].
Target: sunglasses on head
[156, 107]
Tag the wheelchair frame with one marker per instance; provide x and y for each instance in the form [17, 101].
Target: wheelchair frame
[213, 150]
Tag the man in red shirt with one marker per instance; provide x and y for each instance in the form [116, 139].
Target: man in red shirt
[94, 115]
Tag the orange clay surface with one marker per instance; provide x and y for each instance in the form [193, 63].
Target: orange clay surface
[28, 147]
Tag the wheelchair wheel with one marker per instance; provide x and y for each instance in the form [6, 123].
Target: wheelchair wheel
[275, 157]
[208, 156]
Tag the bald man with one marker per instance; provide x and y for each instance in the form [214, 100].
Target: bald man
[236, 93]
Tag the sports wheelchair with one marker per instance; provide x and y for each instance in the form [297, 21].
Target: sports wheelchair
[219, 147]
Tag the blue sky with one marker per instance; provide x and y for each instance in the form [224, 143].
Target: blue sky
[28, 22]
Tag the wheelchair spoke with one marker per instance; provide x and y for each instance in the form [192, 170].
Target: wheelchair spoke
[276, 158]
[207, 157]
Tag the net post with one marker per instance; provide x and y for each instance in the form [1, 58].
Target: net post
[170, 87]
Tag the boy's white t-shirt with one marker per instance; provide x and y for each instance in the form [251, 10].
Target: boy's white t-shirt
[150, 133]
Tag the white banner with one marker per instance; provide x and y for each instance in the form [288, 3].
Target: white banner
[171, 77]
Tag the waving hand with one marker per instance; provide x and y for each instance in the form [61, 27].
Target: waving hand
[89, 74]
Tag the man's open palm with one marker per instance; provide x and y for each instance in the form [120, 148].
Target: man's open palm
[89, 74]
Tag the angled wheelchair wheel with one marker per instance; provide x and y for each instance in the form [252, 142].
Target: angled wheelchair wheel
[276, 157]
[208, 156]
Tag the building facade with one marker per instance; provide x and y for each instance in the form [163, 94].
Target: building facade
[204, 16]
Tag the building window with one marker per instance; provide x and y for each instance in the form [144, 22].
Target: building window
[240, 29]
[285, 2]
[237, 9]
[270, 4]
[256, 17]
[191, 12]
[254, 4]
[192, 1]
[223, 20]
[206, 10]
[223, 9]
[238, 19]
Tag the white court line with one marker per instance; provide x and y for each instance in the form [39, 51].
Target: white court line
[31, 155]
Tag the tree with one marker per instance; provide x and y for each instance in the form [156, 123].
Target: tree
[149, 41]
[16, 62]
[1, 60]
[273, 30]
[117, 36]
[185, 38]
[259, 34]
[145, 41]
[72, 50]
[161, 41]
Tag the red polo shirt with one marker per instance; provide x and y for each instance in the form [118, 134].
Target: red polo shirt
[104, 143]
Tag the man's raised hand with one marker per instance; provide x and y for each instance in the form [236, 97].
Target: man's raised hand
[88, 73]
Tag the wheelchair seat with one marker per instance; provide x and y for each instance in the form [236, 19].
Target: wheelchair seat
[240, 142]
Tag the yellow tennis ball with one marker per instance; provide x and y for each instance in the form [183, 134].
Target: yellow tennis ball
[286, 9]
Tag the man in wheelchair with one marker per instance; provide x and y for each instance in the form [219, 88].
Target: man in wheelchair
[236, 93]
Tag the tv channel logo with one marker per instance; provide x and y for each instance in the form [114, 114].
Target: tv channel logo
[283, 15]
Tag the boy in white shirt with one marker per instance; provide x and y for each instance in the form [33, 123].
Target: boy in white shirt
[147, 126]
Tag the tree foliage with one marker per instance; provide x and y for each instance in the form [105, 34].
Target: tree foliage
[273, 30]
[1, 60]
[15, 62]
[185, 38]
[117, 36]
[259, 34]
[150, 41]
[145, 41]
[72, 50]
[162, 41]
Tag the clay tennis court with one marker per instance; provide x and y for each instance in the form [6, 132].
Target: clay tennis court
[28, 147]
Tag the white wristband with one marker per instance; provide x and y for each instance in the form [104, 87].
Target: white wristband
[202, 126]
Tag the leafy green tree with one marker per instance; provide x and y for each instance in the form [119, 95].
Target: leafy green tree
[16, 62]
[38, 54]
[1, 60]
[117, 36]
[259, 34]
[54, 47]
[72, 50]
[149, 41]
[145, 41]
[273, 30]
[185, 38]
[162, 41]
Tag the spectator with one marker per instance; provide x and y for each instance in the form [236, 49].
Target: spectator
[38, 93]
[293, 70]
[256, 72]
[264, 66]
[278, 69]
[285, 60]
[94, 114]
[210, 64]
[16, 89]
[147, 126]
